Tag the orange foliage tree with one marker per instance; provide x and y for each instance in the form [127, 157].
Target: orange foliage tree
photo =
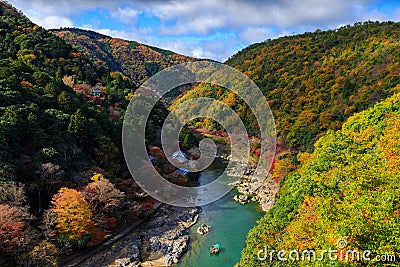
[73, 213]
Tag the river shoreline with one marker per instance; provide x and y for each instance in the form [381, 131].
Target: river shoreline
[164, 238]
[160, 241]
[252, 188]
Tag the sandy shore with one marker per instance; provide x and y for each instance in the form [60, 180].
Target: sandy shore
[155, 263]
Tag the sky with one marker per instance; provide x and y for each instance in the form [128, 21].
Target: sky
[213, 29]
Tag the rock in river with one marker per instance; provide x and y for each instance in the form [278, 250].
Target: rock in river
[203, 229]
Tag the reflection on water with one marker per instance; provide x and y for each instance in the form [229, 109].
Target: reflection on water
[230, 222]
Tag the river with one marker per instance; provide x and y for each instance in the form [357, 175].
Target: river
[230, 222]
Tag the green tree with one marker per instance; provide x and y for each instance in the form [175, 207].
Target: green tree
[107, 155]
[78, 127]
[187, 141]
[65, 100]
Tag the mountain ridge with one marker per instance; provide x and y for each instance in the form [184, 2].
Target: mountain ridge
[135, 60]
[314, 81]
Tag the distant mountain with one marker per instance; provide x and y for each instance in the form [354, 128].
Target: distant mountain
[314, 81]
[133, 59]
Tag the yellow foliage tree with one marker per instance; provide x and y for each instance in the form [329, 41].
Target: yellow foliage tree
[44, 254]
[73, 213]
[97, 177]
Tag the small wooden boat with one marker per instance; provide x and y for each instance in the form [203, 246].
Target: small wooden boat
[215, 248]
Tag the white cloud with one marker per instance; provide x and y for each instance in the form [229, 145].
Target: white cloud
[126, 14]
[62, 7]
[256, 34]
[218, 48]
[52, 22]
[205, 16]
[174, 22]
[145, 30]
[200, 25]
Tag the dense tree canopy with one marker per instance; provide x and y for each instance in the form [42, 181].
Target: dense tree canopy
[63, 96]
[348, 188]
[314, 81]
[61, 115]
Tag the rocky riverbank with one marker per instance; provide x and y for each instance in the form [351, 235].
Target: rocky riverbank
[250, 187]
[160, 241]
[259, 189]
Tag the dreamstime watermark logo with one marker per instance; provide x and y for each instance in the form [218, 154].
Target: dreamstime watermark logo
[146, 97]
[340, 253]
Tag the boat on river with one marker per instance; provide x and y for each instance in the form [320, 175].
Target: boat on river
[215, 248]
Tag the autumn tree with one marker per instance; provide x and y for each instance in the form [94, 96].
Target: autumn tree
[11, 227]
[44, 254]
[103, 198]
[73, 214]
[14, 218]
[282, 166]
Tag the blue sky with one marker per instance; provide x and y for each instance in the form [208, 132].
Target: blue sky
[212, 29]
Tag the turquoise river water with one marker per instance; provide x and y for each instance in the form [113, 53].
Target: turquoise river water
[230, 223]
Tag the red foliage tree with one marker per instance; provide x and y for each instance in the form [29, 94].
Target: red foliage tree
[11, 227]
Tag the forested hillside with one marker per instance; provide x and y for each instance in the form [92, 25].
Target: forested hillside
[52, 137]
[314, 81]
[39, 111]
[135, 60]
[347, 189]
[63, 180]
[346, 185]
